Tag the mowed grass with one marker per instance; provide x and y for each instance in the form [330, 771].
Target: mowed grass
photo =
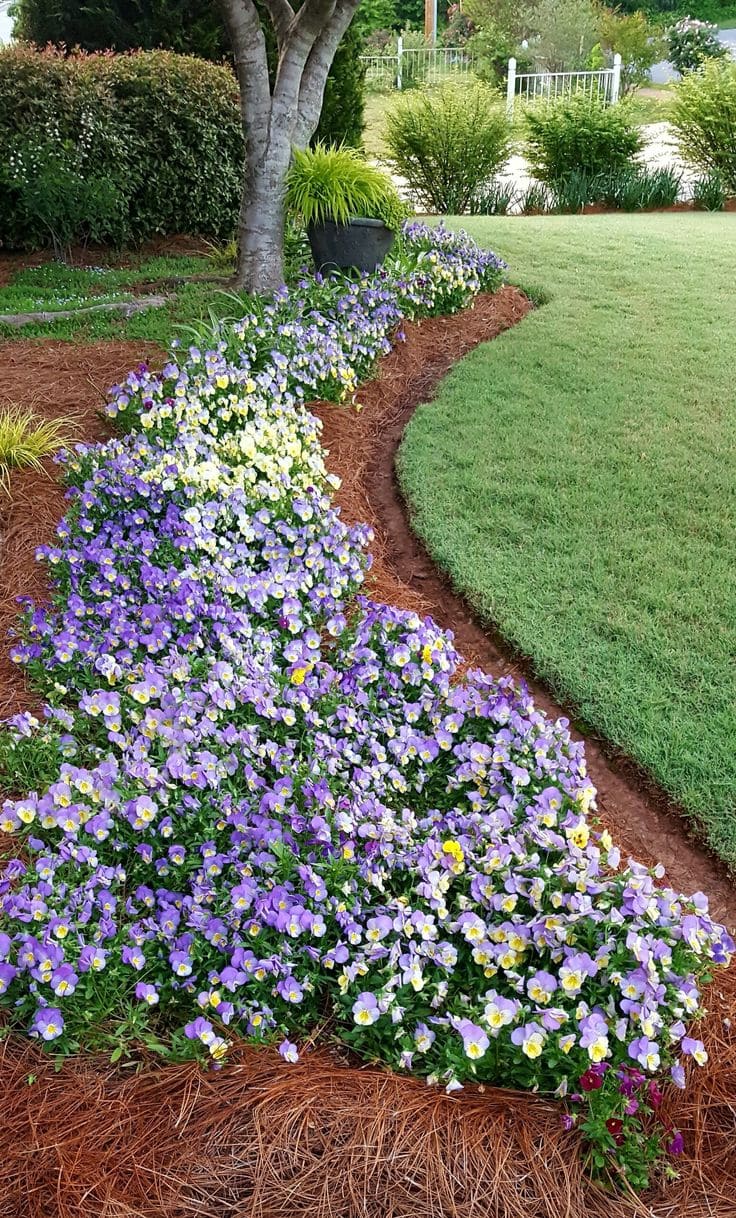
[577, 479]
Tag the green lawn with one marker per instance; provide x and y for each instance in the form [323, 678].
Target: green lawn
[577, 478]
[54, 287]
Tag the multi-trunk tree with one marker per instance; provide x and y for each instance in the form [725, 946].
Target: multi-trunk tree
[280, 111]
[282, 54]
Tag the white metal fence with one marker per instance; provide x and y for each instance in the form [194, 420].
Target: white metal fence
[548, 86]
[415, 66]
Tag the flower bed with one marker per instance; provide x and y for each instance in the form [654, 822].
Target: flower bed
[264, 805]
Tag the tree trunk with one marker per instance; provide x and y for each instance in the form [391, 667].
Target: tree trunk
[260, 266]
[279, 119]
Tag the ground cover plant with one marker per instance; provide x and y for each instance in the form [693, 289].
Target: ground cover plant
[262, 801]
[194, 286]
[585, 503]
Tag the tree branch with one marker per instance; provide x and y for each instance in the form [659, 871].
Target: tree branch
[251, 65]
[282, 16]
[313, 17]
[316, 68]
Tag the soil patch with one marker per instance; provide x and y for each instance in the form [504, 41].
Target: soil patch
[54, 379]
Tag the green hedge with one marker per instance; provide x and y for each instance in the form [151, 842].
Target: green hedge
[161, 131]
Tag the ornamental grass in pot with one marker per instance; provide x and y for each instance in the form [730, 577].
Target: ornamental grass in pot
[351, 210]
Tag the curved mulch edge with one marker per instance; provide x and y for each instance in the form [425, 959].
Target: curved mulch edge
[322, 1139]
[362, 449]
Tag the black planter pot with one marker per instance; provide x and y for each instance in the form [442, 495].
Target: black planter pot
[359, 245]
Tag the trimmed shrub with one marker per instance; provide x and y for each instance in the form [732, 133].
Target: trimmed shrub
[580, 134]
[447, 143]
[162, 129]
[191, 27]
[704, 120]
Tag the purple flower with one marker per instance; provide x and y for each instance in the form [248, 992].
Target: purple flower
[365, 1009]
[48, 1023]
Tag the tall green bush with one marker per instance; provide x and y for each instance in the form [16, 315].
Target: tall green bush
[162, 129]
[704, 120]
[191, 27]
[447, 143]
[579, 135]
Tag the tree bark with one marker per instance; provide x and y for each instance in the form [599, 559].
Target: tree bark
[277, 119]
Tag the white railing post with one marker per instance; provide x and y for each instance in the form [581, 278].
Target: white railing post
[399, 53]
[616, 78]
[511, 87]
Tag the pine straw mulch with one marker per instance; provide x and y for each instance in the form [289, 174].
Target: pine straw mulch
[323, 1139]
[55, 380]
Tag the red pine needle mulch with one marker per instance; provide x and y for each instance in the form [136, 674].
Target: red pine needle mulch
[263, 1139]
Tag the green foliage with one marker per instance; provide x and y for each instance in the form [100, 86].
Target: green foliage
[708, 193]
[640, 189]
[162, 130]
[341, 121]
[447, 143]
[704, 120]
[26, 440]
[50, 189]
[494, 198]
[576, 480]
[191, 27]
[375, 15]
[579, 134]
[337, 184]
[537, 199]
[631, 188]
[565, 32]
[187, 26]
[492, 47]
[638, 43]
[690, 43]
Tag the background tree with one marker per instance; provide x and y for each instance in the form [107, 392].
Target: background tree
[192, 27]
[639, 44]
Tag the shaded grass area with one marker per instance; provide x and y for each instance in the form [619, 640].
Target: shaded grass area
[52, 287]
[577, 479]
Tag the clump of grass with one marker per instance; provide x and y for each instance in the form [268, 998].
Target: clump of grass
[537, 199]
[709, 193]
[494, 199]
[25, 440]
